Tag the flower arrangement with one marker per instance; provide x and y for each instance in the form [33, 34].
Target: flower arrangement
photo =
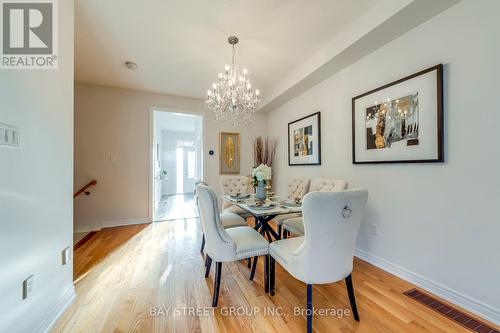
[262, 173]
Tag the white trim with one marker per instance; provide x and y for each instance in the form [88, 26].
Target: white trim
[468, 303]
[119, 223]
[57, 311]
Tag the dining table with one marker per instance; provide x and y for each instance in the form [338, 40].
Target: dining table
[264, 215]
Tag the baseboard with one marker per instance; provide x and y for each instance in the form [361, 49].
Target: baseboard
[56, 312]
[119, 223]
[466, 302]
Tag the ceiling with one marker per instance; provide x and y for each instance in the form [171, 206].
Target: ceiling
[180, 46]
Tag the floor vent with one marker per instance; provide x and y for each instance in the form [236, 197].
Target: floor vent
[452, 313]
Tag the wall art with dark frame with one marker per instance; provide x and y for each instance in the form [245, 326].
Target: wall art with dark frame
[304, 140]
[400, 122]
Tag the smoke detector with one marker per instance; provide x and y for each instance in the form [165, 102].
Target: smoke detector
[131, 65]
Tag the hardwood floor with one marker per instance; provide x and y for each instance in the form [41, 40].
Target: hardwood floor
[178, 206]
[141, 272]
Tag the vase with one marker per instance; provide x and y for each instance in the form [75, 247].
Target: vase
[260, 191]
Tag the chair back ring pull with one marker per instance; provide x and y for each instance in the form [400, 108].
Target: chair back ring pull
[346, 212]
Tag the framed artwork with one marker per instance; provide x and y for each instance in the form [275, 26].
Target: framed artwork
[304, 140]
[229, 153]
[400, 122]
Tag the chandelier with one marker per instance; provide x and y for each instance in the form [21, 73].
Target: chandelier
[231, 97]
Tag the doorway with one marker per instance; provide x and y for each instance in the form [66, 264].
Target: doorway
[177, 163]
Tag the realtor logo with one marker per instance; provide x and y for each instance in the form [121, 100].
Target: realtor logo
[29, 34]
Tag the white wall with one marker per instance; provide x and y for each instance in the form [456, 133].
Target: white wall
[116, 121]
[36, 185]
[439, 221]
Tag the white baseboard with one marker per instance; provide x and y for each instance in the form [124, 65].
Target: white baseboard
[119, 223]
[56, 312]
[466, 302]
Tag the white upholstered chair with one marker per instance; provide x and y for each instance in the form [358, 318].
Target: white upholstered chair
[295, 225]
[228, 220]
[232, 185]
[297, 188]
[226, 245]
[325, 253]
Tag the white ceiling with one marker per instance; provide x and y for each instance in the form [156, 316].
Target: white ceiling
[180, 46]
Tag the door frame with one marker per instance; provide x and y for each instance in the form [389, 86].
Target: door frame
[150, 148]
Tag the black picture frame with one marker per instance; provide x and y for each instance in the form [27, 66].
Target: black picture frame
[439, 114]
[318, 115]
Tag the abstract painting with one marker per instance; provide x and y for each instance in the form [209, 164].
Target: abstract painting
[229, 153]
[400, 122]
[304, 141]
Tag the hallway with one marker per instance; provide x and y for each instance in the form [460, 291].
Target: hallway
[178, 206]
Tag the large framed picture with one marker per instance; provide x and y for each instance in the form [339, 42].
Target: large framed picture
[400, 122]
[304, 140]
[229, 153]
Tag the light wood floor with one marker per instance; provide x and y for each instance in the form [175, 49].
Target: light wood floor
[179, 206]
[136, 268]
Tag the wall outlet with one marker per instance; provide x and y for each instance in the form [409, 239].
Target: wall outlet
[10, 136]
[28, 286]
[66, 256]
[374, 229]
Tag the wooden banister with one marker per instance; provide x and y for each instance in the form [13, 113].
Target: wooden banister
[84, 189]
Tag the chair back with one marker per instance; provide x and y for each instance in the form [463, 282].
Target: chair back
[331, 225]
[196, 183]
[297, 187]
[327, 185]
[218, 245]
[232, 185]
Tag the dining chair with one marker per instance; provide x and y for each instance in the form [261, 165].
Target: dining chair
[295, 225]
[228, 220]
[297, 187]
[325, 253]
[234, 185]
[227, 245]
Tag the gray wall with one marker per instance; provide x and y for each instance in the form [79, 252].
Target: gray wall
[36, 187]
[437, 223]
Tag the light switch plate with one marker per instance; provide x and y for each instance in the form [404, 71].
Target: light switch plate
[28, 286]
[10, 136]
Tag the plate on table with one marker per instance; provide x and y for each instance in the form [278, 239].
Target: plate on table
[263, 206]
[240, 196]
[290, 203]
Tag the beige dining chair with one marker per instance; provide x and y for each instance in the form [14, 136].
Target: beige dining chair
[325, 253]
[297, 188]
[227, 245]
[234, 185]
[228, 220]
[295, 225]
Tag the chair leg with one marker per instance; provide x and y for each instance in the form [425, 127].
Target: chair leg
[272, 275]
[266, 273]
[254, 266]
[309, 312]
[249, 262]
[218, 271]
[202, 243]
[352, 299]
[280, 230]
[208, 263]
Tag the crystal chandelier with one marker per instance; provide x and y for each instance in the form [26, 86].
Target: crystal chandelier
[231, 97]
